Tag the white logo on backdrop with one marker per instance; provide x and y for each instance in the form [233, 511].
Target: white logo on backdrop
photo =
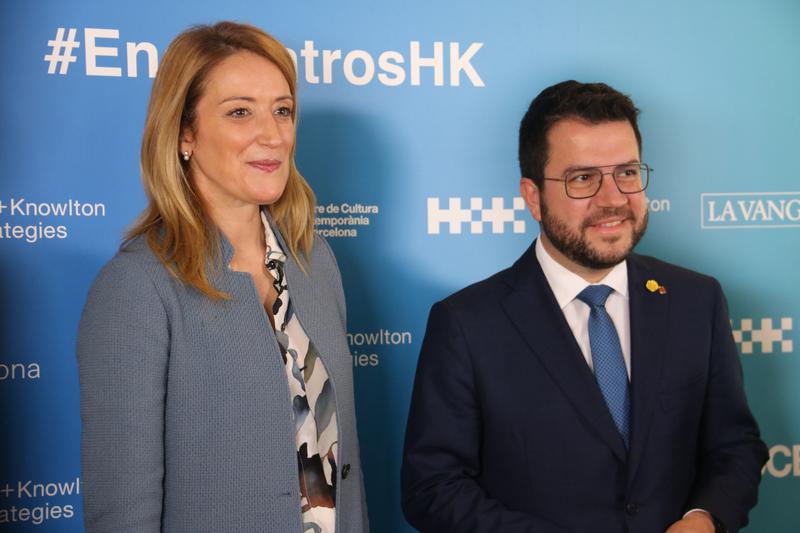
[767, 335]
[724, 210]
[784, 461]
[388, 67]
[62, 53]
[659, 205]
[496, 217]
[437, 63]
[21, 371]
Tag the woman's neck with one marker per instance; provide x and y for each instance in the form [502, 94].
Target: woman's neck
[245, 231]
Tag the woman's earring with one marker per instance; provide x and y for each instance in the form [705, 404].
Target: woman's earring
[186, 156]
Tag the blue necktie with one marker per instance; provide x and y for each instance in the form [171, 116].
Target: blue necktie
[609, 365]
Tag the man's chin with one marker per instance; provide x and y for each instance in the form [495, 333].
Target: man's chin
[605, 256]
[602, 245]
[604, 262]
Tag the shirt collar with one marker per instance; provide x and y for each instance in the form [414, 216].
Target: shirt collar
[274, 251]
[566, 285]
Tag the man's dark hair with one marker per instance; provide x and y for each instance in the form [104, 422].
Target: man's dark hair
[591, 102]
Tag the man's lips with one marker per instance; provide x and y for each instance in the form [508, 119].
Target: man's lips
[607, 224]
[265, 165]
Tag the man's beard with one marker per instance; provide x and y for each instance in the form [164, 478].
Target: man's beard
[574, 244]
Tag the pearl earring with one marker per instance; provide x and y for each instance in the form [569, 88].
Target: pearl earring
[186, 156]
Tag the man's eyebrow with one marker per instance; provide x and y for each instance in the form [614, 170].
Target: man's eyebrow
[587, 167]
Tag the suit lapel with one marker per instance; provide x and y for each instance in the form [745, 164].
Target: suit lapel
[649, 335]
[533, 309]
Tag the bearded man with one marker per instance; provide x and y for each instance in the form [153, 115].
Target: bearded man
[586, 388]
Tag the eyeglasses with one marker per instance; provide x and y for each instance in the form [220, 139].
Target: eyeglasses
[582, 183]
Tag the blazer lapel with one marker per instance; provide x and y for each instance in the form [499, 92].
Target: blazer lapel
[649, 335]
[533, 309]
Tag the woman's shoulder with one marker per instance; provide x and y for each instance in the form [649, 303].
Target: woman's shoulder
[130, 290]
[322, 252]
[133, 268]
[322, 264]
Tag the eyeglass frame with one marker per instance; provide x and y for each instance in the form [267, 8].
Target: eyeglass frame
[602, 175]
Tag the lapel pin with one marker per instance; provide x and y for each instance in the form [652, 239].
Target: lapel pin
[653, 286]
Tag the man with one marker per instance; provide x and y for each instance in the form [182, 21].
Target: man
[586, 388]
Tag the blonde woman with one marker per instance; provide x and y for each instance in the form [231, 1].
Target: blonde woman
[216, 384]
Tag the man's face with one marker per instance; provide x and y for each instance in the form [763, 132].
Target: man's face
[590, 235]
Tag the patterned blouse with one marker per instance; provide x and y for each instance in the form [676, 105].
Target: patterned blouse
[313, 402]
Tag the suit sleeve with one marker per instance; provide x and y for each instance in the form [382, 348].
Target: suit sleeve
[440, 485]
[123, 345]
[731, 452]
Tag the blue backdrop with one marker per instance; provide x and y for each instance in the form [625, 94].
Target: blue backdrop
[407, 133]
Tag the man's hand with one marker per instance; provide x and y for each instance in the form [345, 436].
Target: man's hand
[694, 522]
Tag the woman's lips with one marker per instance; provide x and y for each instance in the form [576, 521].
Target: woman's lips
[265, 165]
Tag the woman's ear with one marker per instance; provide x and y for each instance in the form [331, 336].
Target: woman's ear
[187, 143]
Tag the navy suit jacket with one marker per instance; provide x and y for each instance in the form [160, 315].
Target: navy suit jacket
[509, 432]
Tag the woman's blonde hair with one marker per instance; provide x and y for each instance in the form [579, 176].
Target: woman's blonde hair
[175, 222]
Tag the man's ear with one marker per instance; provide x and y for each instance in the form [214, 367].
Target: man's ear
[532, 196]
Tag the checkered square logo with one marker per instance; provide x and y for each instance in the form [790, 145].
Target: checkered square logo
[766, 335]
[475, 216]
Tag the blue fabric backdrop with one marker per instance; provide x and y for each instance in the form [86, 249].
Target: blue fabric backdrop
[407, 133]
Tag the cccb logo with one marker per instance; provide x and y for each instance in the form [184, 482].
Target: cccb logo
[496, 217]
[768, 335]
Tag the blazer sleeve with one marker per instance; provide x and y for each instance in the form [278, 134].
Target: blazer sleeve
[441, 462]
[335, 277]
[342, 306]
[122, 351]
[731, 452]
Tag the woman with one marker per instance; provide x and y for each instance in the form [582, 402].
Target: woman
[216, 381]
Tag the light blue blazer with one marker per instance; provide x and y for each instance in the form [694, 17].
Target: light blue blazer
[185, 406]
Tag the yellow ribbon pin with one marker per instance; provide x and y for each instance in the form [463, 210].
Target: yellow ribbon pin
[653, 286]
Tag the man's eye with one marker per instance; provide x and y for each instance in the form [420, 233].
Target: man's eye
[628, 172]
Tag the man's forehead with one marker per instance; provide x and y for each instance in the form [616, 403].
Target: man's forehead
[580, 123]
[583, 134]
[578, 143]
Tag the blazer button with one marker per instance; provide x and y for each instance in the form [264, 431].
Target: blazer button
[631, 509]
[345, 470]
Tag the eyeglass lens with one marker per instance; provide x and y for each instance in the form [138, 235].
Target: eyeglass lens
[586, 182]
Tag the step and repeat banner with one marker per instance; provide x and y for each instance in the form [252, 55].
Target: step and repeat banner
[408, 135]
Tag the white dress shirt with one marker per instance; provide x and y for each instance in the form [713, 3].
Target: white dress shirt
[566, 286]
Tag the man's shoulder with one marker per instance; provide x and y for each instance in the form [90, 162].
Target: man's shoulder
[483, 293]
[670, 273]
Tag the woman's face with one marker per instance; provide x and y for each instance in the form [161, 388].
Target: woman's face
[243, 134]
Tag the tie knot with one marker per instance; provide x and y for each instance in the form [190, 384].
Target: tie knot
[595, 295]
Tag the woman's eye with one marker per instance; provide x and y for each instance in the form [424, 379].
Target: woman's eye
[284, 111]
[239, 112]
